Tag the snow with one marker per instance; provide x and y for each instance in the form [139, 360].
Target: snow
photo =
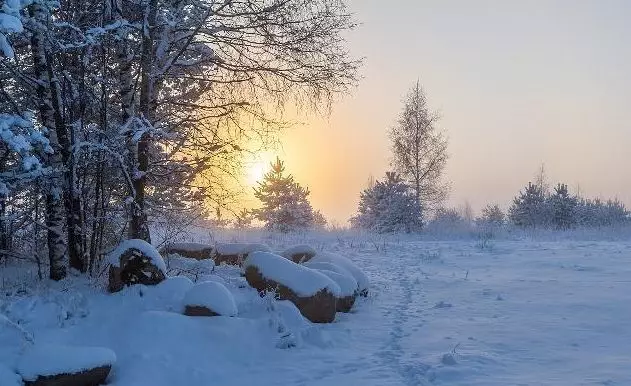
[348, 285]
[240, 248]
[9, 377]
[298, 249]
[215, 278]
[13, 340]
[193, 247]
[538, 309]
[144, 247]
[336, 259]
[212, 295]
[10, 23]
[300, 279]
[55, 359]
[327, 266]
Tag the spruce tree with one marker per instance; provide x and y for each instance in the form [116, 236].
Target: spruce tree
[562, 207]
[388, 206]
[492, 215]
[529, 209]
[285, 203]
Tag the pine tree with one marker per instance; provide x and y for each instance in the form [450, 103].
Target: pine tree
[285, 204]
[388, 206]
[529, 209]
[562, 207]
[492, 215]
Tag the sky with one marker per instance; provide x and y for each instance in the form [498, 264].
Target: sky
[518, 84]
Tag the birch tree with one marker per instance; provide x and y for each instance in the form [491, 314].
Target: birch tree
[419, 150]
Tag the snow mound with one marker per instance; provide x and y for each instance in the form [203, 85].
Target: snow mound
[327, 257]
[46, 360]
[303, 281]
[301, 249]
[348, 285]
[8, 377]
[144, 247]
[212, 295]
[214, 278]
[240, 248]
[170, 291]
[327, 266]
[13, 339]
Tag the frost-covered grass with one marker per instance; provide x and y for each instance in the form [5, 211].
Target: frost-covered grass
[517, 308]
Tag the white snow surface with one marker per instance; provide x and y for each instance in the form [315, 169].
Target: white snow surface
[327, 257]
[8, 377]
[325, 265]
[543, 310]
[55, 359]
[298, 249]
[348, 284]
[147, 249]
[240, 248]
[300, 279]
[212, 295]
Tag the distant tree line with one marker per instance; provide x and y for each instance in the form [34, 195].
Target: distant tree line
[535, 208]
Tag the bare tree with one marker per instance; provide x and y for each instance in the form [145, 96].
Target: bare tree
[420, 150]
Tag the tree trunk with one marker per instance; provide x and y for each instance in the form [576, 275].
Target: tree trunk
[54, 195]
[138, 227]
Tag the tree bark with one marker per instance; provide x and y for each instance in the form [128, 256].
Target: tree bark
[57, 247]
[138, 227]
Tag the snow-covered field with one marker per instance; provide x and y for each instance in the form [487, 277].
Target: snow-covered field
[466, 312]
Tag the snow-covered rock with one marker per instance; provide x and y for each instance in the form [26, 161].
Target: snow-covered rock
[346, 281]
[209, 298]
[236, 253]
[311, 291]
[299, 253]
[65, 365]
[168, 293]
[327, 257]
[300, 279]
[348, 289]
[135, 262]
[196, 251]
[148, 250]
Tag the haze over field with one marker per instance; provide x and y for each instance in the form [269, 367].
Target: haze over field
[518, 84]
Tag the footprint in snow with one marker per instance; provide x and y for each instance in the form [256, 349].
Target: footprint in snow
[442, 304]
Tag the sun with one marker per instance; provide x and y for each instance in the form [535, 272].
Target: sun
[256, 171]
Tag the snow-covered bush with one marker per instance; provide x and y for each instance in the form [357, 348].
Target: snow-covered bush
[388, 206]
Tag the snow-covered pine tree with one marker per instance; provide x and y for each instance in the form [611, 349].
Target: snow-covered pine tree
[562, 208]
[529, 208]
[492, 215]
[285, 204]
[388, 206]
